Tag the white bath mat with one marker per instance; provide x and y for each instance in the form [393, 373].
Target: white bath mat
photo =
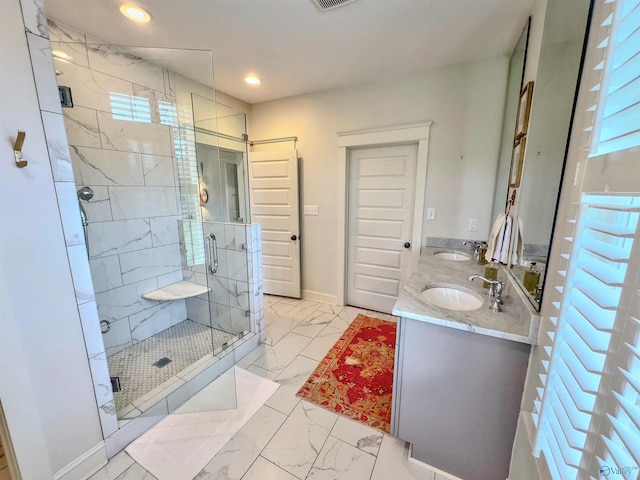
[182, 444]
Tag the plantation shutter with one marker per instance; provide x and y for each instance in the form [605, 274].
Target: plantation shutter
[618, 113]
[617, 449]
[184, 144]
[587, 407]
[589, 312]
[130, 108]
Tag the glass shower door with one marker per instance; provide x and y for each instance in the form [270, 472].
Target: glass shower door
[203, 254]
[221, 151]
[132, 143]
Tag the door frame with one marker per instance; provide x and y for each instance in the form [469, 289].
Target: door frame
[379, 137]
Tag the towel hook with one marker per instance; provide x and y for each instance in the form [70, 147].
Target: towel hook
[17, 150]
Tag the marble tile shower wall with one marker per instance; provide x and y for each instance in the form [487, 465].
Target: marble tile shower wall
[121, 147]
[60, 161]
[236, 298]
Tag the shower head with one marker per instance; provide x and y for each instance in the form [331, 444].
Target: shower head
[85, 193]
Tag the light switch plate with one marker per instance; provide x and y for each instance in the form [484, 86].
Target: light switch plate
[431, 213]
[311, 209]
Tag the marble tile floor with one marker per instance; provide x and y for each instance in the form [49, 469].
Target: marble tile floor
[183, 344]
[289, 438]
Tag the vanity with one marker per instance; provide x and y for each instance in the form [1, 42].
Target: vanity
[459, 367]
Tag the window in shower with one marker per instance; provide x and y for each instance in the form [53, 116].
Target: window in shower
[130, 108]
[231, 191]
[185, 148]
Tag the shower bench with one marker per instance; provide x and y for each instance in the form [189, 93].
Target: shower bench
[176, 291]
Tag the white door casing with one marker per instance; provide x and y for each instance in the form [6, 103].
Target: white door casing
[380, 214]
[273, 184]
[401, 134]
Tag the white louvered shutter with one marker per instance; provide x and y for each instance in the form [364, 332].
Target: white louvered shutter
[618, 113]
[587, 410]
[184, 144]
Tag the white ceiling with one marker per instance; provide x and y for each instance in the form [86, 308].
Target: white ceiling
[297, 49]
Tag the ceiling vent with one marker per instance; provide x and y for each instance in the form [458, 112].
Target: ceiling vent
[324, 5]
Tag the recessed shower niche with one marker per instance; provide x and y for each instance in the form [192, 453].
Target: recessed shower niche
[174, 266]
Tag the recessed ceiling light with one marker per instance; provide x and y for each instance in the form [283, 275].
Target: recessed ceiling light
[134, 13]
[252, 80]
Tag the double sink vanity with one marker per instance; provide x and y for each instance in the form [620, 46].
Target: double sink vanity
[460, 367]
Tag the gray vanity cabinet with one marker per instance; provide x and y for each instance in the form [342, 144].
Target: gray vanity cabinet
[457, 397]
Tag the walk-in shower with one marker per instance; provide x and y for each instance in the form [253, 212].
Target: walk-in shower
[145, 142]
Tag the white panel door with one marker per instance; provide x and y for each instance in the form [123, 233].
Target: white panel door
[381, 198]
[273, 182]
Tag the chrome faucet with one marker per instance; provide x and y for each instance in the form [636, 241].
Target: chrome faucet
[495, 292]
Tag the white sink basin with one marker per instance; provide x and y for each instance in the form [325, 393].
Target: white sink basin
[453, 256]
[452, 297]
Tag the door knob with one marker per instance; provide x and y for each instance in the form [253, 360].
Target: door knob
[294, 237]
[407, 245]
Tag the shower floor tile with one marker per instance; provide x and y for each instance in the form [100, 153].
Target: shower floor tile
[183, 344]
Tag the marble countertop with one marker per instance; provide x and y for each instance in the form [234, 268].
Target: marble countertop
[517, 321]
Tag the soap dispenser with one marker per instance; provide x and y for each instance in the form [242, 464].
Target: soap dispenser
[531, 279]
[491, 272]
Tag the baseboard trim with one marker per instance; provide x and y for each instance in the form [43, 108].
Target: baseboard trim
[320, 297]
[85, 465]
[435, 470]
[7, 447]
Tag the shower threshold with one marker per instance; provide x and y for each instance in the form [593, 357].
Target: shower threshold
[147, 367]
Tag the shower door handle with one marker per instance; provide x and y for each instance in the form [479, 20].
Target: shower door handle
[213, 253]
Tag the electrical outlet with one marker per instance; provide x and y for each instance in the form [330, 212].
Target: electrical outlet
[431, 213]
[311, 209]
[473, 224]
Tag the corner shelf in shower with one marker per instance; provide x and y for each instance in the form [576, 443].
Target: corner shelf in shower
[176, 291]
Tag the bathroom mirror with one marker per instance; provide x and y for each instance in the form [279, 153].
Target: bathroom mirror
[514, 85]
[549, 125]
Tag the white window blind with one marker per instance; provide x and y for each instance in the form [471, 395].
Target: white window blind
[617, 124]
[130, 108]
[184, 144]
[587, 407]
[617, 447]
[588, 315]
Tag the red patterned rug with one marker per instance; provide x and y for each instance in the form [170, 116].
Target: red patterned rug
[355, 378]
